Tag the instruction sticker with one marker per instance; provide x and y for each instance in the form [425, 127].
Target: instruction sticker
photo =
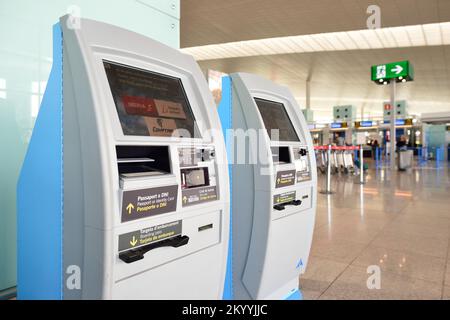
[170, 109]
[138, 204]
[303, 176]
[284, 197]
[149, 235]
[285, 178]
[198, 195]
[139, 106]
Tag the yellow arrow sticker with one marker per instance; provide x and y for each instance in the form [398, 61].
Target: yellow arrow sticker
[133, 242]
[130, 207]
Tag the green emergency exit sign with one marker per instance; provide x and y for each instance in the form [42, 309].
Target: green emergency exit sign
[401, 71]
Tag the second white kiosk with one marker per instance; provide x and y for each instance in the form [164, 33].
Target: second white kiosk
[274, 187]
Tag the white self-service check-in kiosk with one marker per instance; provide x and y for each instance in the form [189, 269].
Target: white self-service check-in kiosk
[273, 190]
[121, 195]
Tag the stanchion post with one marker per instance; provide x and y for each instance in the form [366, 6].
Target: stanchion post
[382, 157]
[328, 183]
[361, 153]
[377, 156]
[437, 156]
[419, 155]
[361, 165]
[329, 170]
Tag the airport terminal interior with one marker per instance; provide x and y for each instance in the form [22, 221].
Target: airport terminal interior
[104, 123]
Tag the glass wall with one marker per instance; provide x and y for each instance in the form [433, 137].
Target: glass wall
[25, 63]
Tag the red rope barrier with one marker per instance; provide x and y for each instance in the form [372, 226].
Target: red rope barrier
[339, 148]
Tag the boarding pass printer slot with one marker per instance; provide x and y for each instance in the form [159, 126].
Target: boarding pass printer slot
[143, 161]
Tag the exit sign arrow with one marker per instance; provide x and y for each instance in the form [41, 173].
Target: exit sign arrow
[397, 69]
[400, 71]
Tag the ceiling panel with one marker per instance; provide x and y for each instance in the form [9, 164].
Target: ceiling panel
[344, 77]
[337, 77]
[217, 21]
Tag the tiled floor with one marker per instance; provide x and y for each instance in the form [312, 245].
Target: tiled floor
[399, 222]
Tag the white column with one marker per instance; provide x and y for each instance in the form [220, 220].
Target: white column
[393, 119]
[308, 94]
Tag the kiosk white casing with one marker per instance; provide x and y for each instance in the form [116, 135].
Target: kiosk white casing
[93, 210]
[270, 246]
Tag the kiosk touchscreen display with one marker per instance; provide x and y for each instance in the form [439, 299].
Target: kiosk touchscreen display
[275, 117]
[149, 103]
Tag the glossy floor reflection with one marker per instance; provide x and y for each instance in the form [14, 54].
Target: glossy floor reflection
[399, 222]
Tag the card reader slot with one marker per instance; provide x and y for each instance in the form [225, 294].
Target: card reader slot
[205, 227]
[282, 206]
[194, 178]
[134, 255]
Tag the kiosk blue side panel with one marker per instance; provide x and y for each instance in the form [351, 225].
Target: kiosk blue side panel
[39, 195]
[226, 117]
[296, 295]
